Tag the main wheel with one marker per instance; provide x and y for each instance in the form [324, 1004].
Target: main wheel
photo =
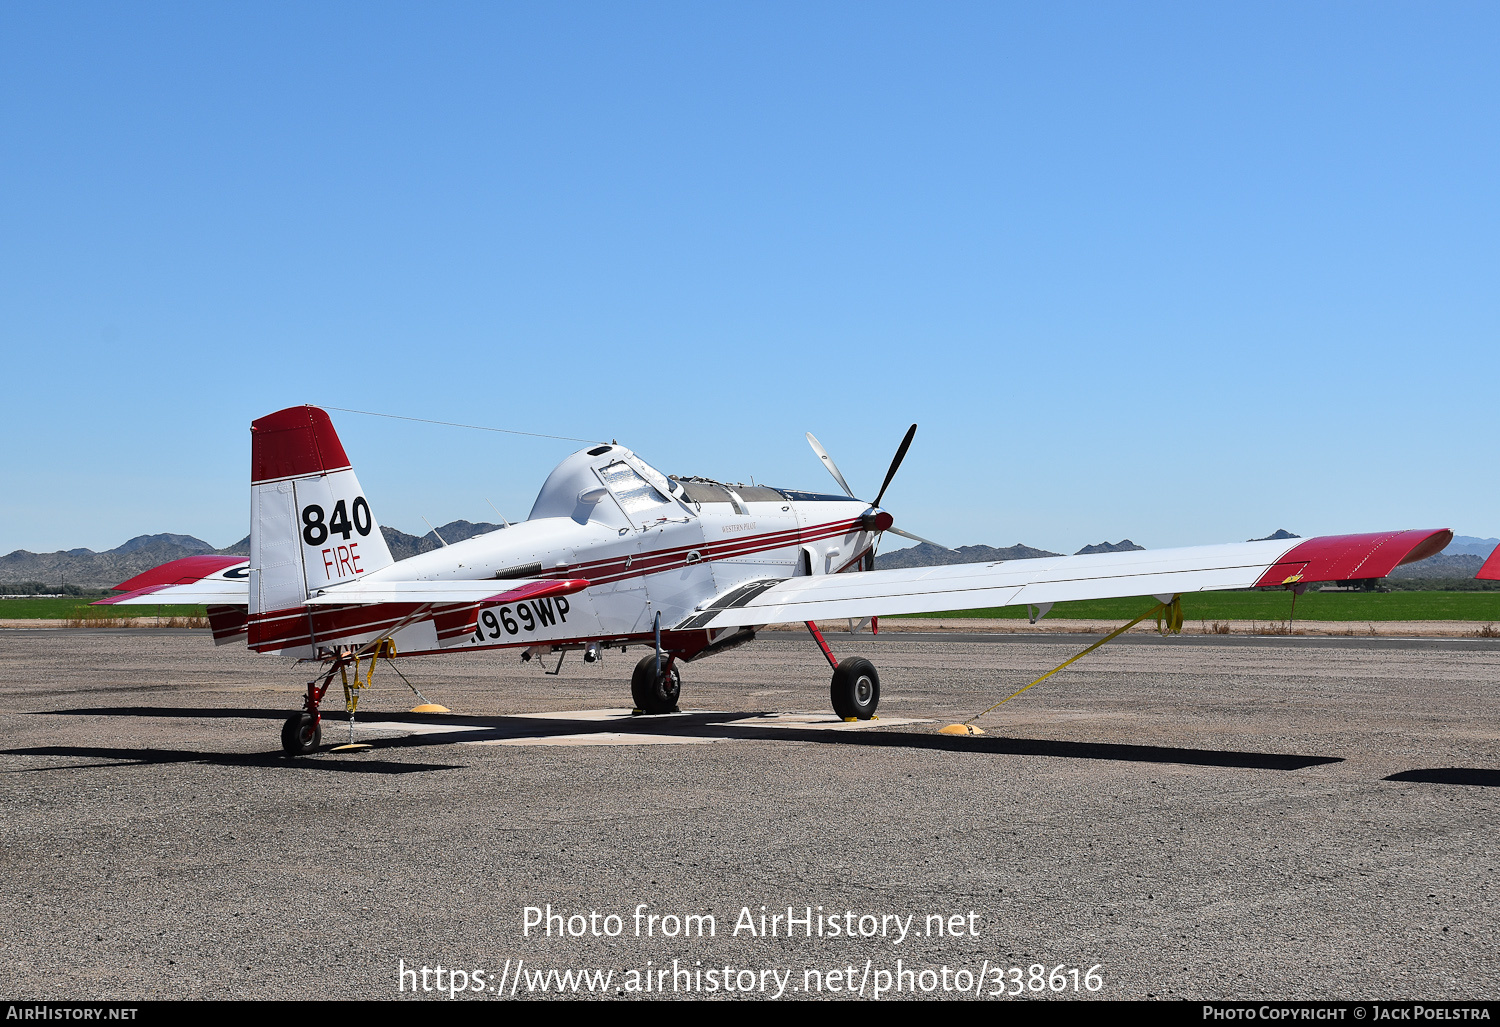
[856, 689]
[301, 734]
[653, 693]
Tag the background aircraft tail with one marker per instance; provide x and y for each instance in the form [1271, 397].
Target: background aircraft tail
[1491, 569]
[310, 524]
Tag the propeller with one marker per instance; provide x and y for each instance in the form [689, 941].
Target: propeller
[911, 433]
[915, 538]
[833, 469]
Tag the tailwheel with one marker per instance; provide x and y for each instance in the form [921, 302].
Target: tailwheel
[653, 691]
[301, 733]
[855, 690]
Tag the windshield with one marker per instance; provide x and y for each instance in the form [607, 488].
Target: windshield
[633, 492]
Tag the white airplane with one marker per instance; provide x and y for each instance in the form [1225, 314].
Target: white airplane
[617, 554]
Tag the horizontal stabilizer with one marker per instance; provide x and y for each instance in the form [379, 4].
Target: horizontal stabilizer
[192, 580]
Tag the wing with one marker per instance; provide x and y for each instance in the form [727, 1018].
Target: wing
[194, 580]
[1160, 572]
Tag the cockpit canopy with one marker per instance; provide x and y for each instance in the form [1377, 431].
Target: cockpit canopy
[581, 485]
[706, 490]
[633, 492]
[581, 488]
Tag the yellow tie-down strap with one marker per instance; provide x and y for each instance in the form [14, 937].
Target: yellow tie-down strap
[1168, 621]
[352, 689]
[1169, 617]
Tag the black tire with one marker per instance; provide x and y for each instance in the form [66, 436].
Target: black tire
[301, 734]
[655, 696]
[856, 689]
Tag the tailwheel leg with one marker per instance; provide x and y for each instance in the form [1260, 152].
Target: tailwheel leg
[303, 731]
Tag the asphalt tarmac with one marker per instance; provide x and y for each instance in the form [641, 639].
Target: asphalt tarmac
[1194, 818]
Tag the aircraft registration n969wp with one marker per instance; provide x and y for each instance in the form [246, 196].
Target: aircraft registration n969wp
[617, 554]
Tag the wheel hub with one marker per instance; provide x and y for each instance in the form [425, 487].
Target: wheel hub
[863, 689]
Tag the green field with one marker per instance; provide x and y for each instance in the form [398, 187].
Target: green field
[64, 607]
[1196, 606]
[1277, 605]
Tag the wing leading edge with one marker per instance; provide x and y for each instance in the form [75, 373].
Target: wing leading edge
[1057, 579]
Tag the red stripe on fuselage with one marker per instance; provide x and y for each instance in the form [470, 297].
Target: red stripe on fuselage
[769, 540]
[328, 624]
[615, 569]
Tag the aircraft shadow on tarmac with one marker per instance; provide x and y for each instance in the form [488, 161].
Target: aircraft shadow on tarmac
[699, 726]
[1450, 776]
[157, 757]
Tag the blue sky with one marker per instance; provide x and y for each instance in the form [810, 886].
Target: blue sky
[1179, 272]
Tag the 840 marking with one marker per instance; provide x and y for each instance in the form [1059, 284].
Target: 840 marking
[315, 530]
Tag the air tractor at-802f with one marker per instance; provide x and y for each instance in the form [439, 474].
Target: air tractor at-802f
[617, 554]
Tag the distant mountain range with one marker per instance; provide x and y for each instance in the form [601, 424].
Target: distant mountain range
[21, 571]
[1442, 566]
[925, 555]
[1122, 546]
[72, 569]
[1459, 562]
[1468, 545]
[400, 543]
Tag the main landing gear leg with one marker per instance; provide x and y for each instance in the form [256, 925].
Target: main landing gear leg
[656, 684]
[855, 689]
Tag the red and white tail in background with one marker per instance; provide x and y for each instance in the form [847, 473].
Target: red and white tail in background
[310, 524]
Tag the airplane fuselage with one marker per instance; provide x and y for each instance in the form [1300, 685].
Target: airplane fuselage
[647, 544]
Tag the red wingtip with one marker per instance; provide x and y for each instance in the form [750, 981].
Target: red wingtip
[294, 443]
[1347, 557]
[1491, 569]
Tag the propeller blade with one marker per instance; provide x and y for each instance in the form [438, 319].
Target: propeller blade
[918, 538]
[833, 468]
[900, 455]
